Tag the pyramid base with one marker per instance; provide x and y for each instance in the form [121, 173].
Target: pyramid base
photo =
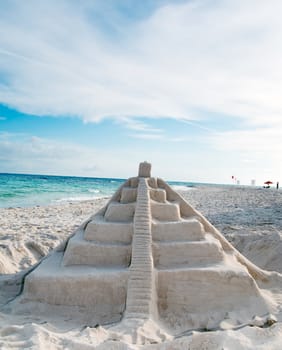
[193, 298]
[102, 292]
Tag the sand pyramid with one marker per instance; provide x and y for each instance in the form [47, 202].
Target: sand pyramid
[148, 255]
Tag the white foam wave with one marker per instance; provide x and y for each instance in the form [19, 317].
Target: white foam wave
[182, 188]
[93, 191]
[78, 199]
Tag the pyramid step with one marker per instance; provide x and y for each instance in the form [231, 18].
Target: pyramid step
[118, 212]
[137, 260]
[141, 251]
[135, 296]
[139, 277]
[81, 252]
[142, 246]
[171, 254]
[141, 242]
[165, 211]
[141, 282]
[143, 227]
[145, 310]
[138, 301]
[142, 260]
[141, 295]
[136, 315]
[158, 195]
[101, 290]
[140, 287]
[140, 270]
[202, 290]
[138, 293]
[102, 231]
[184, 230]
[140, 257]
[140, 274]
[141, 237]
[128, 195]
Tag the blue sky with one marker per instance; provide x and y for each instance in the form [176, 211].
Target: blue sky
[92, 88]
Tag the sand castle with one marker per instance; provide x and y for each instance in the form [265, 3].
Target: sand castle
[148, 256]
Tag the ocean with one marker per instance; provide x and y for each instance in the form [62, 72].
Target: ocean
[19, 190]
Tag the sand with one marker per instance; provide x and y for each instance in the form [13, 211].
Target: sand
[27, 234]
[250, 218]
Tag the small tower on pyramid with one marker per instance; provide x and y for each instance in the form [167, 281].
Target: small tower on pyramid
[148, 255]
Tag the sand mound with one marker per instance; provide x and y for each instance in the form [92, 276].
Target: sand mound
[5, 265]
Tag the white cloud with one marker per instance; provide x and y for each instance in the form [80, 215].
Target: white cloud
[222, 57]
[263, 141]
[189, 60]
[21, 153]
[137, 125]
[256, 152]
[147, 136]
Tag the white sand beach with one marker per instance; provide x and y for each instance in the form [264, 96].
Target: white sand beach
[250, 218]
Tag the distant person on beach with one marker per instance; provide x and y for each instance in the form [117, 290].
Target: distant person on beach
[277, 185]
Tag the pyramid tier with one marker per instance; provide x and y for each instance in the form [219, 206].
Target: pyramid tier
[120, 212]
[128, 195]
[207, 290]
[82, 252]
[197, 253]
[183, 230]
[103, 231]
[158, 195]
[165, 211]
[103, 290]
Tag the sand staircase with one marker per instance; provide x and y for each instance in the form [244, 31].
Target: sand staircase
[148, 255]
[140, 301]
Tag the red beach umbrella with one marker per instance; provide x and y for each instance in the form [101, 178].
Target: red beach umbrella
[268, 183]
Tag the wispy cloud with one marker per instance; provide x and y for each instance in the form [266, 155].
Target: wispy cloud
[261, 149]
[173, 59]
[147, 136]
[23, 153]
[224, 58]
[137, 125]
[197, 125]
[263, 141]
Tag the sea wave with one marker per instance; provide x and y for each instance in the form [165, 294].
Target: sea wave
[77, 199]
[182, 188]
[93, 190]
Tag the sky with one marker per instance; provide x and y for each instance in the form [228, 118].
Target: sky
[93, 87]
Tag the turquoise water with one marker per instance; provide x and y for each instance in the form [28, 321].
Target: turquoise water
[18, 190]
